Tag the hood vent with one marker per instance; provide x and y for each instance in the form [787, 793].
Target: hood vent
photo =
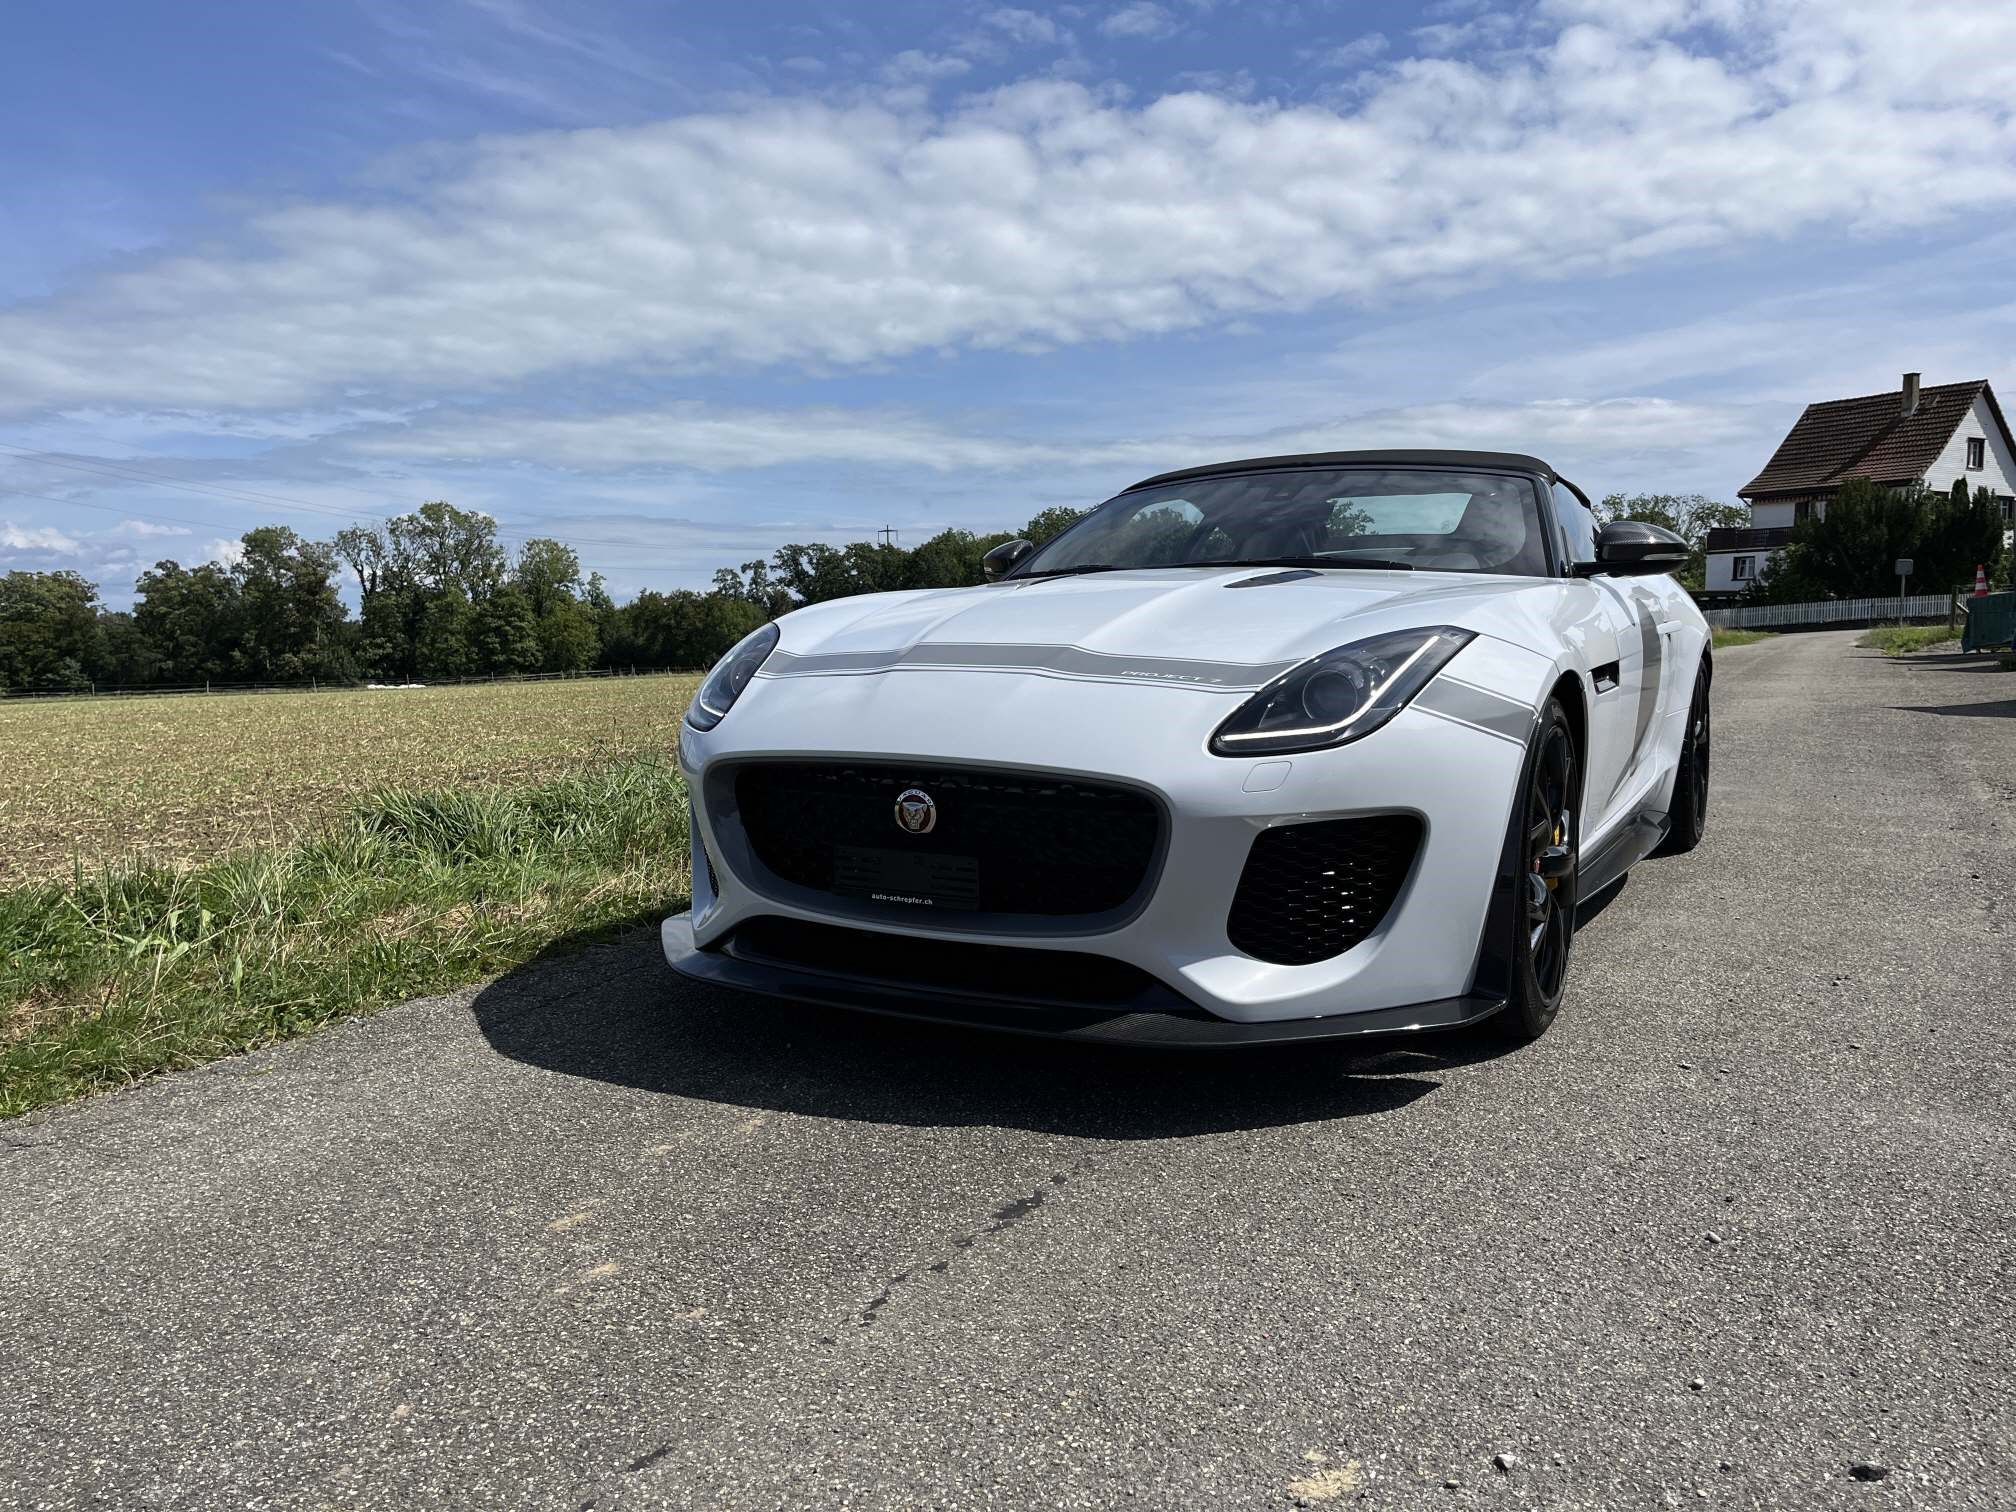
[1293, 574]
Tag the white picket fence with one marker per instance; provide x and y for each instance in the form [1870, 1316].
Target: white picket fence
[1862, 611]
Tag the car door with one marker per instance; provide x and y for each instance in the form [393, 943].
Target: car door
[1616, 623]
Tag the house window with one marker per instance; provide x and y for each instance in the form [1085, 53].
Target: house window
[1977, 454]
[1744, 568]
[1802, 511]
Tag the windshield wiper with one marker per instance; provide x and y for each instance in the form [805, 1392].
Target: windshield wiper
[1374, 563]
[1043, 572]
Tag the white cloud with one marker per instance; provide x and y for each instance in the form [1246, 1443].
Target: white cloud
[225, 553]
[1023, 25]
[1346, 56]
[690, 435]
[145, 530]
[722, 440]
[40, 539]
[1493, 29]
[822, 235]
[1230, 84]
[1142, 18]
[914, 67]
[1645, 17]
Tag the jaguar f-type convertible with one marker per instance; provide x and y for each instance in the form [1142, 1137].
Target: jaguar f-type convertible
[1290, 748]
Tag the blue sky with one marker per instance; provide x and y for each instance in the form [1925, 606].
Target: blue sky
[679, 282]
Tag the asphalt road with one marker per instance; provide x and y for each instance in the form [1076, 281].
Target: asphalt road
[589, 1238]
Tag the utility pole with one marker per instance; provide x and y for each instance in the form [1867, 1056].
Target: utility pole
[888, 535]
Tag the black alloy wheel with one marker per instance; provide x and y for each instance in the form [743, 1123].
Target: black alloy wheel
[1546, 886]
[1689, 815]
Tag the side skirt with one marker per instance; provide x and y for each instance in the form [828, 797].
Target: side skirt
[1627, 845]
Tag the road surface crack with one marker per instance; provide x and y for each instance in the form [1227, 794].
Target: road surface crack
[1005, 1216]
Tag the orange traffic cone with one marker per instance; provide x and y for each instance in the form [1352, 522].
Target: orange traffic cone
[1980, 581]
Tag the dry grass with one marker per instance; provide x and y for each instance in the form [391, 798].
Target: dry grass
[180, 780]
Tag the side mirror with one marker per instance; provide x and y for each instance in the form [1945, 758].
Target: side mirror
[1004, 558]
[1633, 548]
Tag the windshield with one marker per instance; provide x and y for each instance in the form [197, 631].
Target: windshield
[1330, 517]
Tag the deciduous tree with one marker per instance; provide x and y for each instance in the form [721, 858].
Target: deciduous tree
[191, 618]
[48, 630]
[503, 635]
[1053, 521]
[291, 621]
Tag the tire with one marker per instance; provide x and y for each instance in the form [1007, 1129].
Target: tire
[1547, 845]
[1689, 813]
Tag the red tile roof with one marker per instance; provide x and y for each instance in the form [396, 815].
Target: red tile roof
[1869, 437]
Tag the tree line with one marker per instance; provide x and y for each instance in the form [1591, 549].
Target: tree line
[439, 596]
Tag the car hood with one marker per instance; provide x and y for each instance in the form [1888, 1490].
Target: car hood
[1249, 623]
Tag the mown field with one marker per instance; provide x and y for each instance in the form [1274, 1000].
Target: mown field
[182, 779]
[190, 877]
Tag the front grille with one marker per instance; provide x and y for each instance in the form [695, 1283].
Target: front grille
[1010, 843]
[1055, 978]
[1312, 891]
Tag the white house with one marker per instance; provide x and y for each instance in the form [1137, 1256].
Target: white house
[1913, 434]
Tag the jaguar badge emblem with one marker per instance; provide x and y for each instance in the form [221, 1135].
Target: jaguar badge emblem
[916, 811]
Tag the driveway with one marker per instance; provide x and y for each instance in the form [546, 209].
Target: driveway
[589, 1238]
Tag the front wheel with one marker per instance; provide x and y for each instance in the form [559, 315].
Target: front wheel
[1545, 888]
[1688, 817]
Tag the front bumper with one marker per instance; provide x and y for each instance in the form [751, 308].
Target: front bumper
[1455, 776]
[1154, 1021]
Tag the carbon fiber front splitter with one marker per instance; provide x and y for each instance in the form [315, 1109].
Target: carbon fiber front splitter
[1161, 1021]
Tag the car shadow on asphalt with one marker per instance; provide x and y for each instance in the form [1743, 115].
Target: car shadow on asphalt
[1971, 663]
[2004, 709]
[616, 1013]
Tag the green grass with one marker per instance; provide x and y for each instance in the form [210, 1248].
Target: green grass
[1721, 638]
[139, 968]
[1901, 640]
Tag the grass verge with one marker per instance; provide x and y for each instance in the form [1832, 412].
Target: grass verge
[118, 974]
[1901, 640]
[1721, 638]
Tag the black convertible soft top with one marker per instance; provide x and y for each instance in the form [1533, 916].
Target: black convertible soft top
[1480, 461]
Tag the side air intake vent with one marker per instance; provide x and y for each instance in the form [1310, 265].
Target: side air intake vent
[1312, 891]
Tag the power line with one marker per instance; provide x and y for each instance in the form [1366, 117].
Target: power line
[218, 490]
[118, 509]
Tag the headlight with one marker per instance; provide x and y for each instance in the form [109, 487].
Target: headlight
[1340, 695]
[730, 676]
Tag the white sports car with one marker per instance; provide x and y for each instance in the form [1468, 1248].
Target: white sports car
[1280, 749]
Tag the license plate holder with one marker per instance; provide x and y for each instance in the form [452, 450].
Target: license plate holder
[912, 879]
